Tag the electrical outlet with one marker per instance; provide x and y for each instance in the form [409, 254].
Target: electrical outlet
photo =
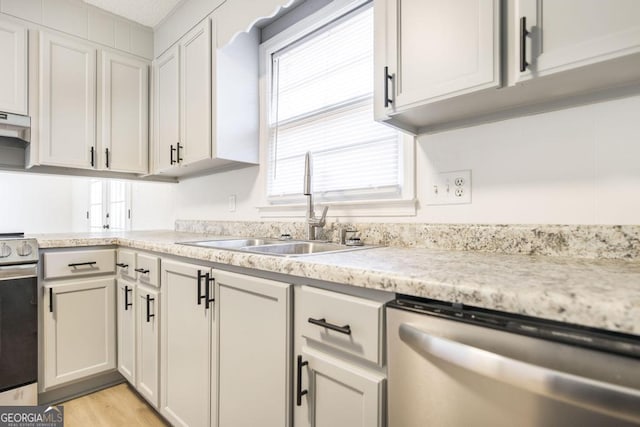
[232, 203]
[450, 188]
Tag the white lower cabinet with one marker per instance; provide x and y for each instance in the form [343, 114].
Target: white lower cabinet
[147, 307]
[340, 393]
[187, 331]
[340, 375]
[254, 351]
[126, 313]
[138, 309]
[79, 320]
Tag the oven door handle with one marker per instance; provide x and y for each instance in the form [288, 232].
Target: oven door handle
[21, 271]
[612, 400]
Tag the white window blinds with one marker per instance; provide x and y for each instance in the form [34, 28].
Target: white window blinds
[322, 101]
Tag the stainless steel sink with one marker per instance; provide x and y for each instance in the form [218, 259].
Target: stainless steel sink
[302, 248]
[231, 243]
[276, 247]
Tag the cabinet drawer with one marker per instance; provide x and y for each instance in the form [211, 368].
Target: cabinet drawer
[79, 263]
[148, 269]
[360, 322]
[127, 264]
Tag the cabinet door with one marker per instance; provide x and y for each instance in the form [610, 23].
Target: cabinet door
[439, 49]
[126, 312]
[124, 114]
[185, 345]
[340, 394]
[166, 109]
[13, 68]
[67, 102]
[253, 319]
[148, 344]
[195, 94]
[572, 33]
[79, 330]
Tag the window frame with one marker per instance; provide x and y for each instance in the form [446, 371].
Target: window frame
[402, 205]
[106, 204]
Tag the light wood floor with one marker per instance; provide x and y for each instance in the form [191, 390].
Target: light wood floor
[115, 406]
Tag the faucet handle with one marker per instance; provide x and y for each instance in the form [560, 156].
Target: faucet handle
[319, 222]
[324, 215]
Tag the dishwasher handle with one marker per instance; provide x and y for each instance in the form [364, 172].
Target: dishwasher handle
[612, 400]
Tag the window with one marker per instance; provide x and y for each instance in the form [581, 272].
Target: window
[320, 99]
[109, 205]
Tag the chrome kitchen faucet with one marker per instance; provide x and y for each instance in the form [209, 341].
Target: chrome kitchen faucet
[312, 221]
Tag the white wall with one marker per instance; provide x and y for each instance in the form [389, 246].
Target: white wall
[35, 203]
[574, 166]
[153, 205]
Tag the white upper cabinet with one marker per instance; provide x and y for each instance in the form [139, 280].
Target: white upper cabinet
[124, 114]
[166, 109]
[13, 68]
[441, 64]
[67, 102]
[206, 102]
[195, 94]
[567, 34]
[434, 50]
[442, 49]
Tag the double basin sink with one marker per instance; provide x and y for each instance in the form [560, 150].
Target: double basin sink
[286, 248]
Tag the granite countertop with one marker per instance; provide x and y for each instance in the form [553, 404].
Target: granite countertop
[597, 293]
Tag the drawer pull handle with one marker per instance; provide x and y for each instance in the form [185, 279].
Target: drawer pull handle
[141, 270]
[149, 315]
[346, 329]
[127, 304]
[78, 264]
[122, 265]
[299, 391]
[50, 300]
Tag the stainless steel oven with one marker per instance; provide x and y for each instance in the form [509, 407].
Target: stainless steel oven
[451, 365]
[18, 321]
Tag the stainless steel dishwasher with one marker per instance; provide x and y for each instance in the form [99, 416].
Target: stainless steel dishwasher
[452, 366]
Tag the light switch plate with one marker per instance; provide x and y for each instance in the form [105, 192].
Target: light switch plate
[449, 188]
[232, 203]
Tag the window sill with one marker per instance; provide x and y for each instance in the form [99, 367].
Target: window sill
[367, 208]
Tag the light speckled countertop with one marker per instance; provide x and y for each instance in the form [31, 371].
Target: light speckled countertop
[598, 293]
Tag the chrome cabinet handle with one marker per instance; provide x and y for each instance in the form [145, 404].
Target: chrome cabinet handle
[612, 400]
[346, 329]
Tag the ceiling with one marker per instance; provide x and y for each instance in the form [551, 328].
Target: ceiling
[145, 12]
